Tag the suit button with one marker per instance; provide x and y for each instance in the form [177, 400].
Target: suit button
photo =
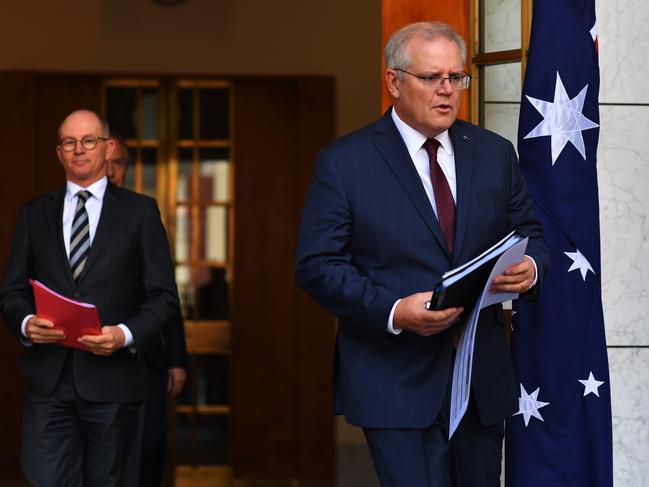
[77, 295]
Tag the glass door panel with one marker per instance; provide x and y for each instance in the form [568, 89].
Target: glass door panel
[178, 137]
[203, 215]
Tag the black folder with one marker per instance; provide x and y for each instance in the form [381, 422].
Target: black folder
[463, 285]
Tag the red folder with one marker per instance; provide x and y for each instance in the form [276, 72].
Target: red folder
[73, 317]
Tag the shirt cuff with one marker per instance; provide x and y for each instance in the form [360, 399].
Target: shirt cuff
[536, 273]
[391, 328]
[23, 331]
[128, 336]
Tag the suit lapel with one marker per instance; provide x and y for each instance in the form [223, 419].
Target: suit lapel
[392, 148]
[110, 212]
[54, 219]
[465, 158]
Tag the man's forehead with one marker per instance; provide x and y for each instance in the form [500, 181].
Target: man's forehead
[85, 123]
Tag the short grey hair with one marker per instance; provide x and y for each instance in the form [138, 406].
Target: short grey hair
[396, 52]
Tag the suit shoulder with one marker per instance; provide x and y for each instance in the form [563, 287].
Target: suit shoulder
[480, 133]
[44, 199]
[132, 198]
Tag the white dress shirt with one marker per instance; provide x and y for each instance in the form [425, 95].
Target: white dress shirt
[415, 143]
[93, 208]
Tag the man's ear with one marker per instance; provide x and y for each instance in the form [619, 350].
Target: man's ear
[110, 146]
[391, 80]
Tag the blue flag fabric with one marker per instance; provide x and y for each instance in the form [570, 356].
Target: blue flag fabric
[561, 434]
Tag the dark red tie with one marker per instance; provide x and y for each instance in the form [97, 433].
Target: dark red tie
[443, 196]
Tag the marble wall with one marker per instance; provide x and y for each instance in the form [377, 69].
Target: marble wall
[623, 168]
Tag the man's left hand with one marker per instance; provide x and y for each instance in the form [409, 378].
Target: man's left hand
[111, 340]
[176, 380]
[516, 279]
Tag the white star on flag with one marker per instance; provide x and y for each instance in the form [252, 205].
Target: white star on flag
[528, 406]
[562, 120]
[591, 385]
[593, 31]
[579, 262]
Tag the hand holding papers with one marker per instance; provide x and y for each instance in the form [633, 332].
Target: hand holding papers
[73, 317]
[462, 286]
[461, 386]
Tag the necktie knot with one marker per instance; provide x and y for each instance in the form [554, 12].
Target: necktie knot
[431, 146]
[83, 195]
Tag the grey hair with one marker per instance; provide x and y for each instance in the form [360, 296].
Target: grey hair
[396, 52]
[105, 129]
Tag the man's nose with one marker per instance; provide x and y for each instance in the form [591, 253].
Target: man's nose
[445, 86]
[78, 147]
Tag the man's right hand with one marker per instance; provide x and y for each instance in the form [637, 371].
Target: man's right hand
[40, 330]
[411, 314]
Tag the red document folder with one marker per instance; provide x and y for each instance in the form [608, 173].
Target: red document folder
[73, 317]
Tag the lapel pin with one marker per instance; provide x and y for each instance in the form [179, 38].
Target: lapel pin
[465, 138]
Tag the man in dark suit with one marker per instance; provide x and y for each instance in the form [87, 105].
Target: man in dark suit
[104, 245]
[166, 355]
[392, 207]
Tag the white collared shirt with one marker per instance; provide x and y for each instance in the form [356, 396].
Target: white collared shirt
[93, 207]
[445, 157]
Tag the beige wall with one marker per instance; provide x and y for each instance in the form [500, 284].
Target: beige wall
[220, 37]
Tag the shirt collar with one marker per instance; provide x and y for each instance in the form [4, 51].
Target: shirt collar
[415, 140]
[97, 189]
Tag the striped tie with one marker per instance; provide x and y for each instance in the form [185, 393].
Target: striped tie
[80, 236]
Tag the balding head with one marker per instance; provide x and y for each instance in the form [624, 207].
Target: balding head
[83, 112]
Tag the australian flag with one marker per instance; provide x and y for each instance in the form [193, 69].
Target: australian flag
[561, 435]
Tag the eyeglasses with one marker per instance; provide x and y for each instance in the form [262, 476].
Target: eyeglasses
[89, 142]
[436, 81]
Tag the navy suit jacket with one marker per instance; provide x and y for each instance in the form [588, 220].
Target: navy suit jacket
[369, 236]
[128, 275]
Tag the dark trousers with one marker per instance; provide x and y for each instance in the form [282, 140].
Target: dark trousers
[154, 437]
[426, 458]
[68, 441]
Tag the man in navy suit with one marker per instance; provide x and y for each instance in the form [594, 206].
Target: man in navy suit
[392, 207]
[100, 244]
[165, 354]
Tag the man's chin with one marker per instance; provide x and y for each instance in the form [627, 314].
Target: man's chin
[442, 125]
[83, 178]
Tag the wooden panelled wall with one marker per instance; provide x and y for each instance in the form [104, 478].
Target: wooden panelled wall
[33, 109]
[282, 424]
[397, 13]
[283, 342]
